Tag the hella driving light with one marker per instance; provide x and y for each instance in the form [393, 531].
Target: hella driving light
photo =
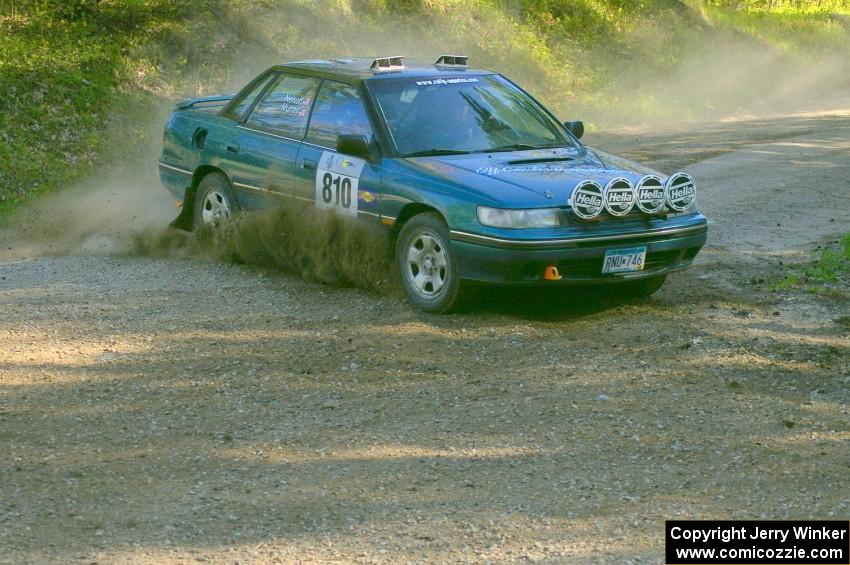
[619, 196]
[535, 218]
[680, 191]
[649, 193]
[587, 200]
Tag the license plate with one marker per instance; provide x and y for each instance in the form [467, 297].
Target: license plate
[624, 260]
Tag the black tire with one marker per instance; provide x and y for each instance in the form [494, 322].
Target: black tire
[643, 288]
[214, 200]
[439, 289]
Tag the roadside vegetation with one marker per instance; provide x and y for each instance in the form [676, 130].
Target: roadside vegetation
[86, 82]
[827, 274]
[65, 77]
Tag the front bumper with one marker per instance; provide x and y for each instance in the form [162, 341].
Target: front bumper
[578, 260]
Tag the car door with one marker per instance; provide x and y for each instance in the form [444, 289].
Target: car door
[269, 138]
[347, 184]
[224, 147]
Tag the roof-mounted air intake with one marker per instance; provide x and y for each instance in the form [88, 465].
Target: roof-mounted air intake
[452, 61]
[383, 64]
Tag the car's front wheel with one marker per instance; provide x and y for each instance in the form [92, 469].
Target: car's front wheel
[427, 263]
[214, 200]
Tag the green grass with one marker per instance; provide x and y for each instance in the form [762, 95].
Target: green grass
[798, 34]
[76, 80]
[828, 273]
[57, 84]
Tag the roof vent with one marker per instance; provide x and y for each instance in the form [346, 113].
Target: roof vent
[382, 64]
[452, 61]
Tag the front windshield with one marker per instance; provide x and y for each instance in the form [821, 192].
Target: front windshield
[456, 115]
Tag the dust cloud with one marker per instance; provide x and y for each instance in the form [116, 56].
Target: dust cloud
[316, 245]
[726, 77]
[116, 214]
[95, 217]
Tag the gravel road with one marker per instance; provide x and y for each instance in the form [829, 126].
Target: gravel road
[167, 410]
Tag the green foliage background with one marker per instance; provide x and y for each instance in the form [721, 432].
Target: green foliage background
[87, 81]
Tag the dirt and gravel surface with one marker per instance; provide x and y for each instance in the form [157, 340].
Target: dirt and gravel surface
[165, 410]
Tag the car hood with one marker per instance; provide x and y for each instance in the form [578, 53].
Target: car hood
[543, 177]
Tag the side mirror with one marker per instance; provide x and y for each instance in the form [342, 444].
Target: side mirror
[577, 128]
[354, 145]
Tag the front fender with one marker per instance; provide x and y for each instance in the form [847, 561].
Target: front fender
[400, 189]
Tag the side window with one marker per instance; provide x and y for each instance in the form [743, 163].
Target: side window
[285, 106]
[237, 111]
[338, 111]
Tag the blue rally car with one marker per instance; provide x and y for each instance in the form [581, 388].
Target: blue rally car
[476, 180]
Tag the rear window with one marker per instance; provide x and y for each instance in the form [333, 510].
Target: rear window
[245, 100]
[285, 106]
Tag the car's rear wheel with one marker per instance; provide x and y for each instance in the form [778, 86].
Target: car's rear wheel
[643, 287]
[427, 263]
[214, 200]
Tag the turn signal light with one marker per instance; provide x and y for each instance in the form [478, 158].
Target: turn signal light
[552, 273]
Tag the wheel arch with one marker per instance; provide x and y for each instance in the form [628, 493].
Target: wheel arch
[411, 210]
[197, 177]
[186, 219]
[441, 299]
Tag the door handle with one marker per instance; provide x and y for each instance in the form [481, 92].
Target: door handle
[233, 148]
[309, 164]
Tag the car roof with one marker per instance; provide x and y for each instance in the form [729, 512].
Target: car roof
[360, 68]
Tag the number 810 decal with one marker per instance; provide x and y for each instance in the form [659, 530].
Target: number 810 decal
[337, 181]
[339, 185]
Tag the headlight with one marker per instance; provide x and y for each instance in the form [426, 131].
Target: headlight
[535, 218]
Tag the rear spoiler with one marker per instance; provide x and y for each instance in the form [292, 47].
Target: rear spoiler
[204, 101]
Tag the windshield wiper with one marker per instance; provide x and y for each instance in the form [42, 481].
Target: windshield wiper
[520, 147]
[434, 152]
[513, 147]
